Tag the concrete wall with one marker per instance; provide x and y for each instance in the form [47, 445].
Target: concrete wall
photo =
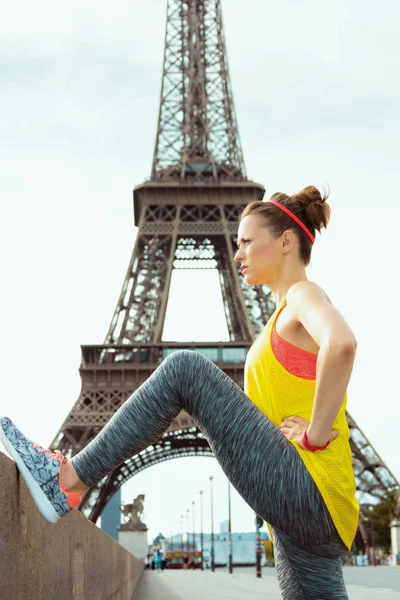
[71, 560]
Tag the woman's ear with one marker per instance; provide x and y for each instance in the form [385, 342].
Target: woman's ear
[288, 240]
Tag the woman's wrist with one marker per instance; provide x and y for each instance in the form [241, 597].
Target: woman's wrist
[313, 447]
[317, 438]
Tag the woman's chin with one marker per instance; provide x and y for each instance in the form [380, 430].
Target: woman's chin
[251, 280]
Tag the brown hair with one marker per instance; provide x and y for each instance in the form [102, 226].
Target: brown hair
[308, 205]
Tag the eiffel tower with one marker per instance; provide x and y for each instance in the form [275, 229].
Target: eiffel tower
[187, 218]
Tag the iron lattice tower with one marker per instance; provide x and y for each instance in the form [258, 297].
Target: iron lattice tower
[187, 217]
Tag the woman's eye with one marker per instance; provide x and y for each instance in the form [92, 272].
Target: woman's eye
[244, 242]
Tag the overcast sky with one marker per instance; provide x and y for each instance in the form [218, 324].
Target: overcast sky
[316, 89]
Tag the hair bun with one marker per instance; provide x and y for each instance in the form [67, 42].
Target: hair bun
[317, 211]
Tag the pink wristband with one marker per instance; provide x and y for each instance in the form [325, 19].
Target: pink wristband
[308, 446]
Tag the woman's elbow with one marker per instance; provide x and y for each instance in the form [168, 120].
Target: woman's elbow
[350, 348]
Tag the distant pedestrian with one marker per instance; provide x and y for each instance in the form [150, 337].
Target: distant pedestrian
[157, 561]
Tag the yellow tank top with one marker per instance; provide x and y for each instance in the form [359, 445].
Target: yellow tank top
[279, 394]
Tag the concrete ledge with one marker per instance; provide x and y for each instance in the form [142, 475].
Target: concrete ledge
[71, 560]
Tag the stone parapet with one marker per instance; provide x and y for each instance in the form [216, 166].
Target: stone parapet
[71, 560]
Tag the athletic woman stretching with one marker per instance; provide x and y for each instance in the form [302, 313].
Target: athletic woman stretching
[284, 444]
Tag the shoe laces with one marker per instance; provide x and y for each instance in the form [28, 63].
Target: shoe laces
[56, 455]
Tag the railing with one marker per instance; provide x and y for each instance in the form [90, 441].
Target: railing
[139, 354]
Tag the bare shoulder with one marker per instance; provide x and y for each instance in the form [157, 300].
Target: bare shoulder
[303, 291]
[311, 306]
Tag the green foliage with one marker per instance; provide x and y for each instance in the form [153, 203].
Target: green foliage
[379, 517]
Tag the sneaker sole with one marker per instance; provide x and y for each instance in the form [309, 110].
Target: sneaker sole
[38, 495]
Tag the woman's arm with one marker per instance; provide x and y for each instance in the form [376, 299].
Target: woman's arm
[337, 348]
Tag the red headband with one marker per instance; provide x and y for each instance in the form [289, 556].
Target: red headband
[293, 216]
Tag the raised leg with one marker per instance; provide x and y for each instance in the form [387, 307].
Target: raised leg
[259, 461]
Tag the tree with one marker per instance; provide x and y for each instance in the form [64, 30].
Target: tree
[379, 516]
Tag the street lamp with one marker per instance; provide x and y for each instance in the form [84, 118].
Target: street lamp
[212, 524]
[259, 523]
[201, 528]
[187, 528]
[181, 533]
[194, 528]
[230, 529]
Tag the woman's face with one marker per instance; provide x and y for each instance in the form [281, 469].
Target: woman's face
[258, 251]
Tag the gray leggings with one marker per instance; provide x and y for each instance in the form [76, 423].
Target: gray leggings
[262, 465]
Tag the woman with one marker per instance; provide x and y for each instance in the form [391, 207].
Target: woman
[284, 444]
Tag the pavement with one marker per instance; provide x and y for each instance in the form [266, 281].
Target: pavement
[363, 583]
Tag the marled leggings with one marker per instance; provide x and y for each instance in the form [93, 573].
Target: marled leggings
[258, 460]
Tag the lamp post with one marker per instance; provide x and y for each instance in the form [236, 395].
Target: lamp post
[187, 529]
[194, 527]
[259, 523]
[212, 524]
[201, 528]
[230, 530]
[181, 533]
[372, 536]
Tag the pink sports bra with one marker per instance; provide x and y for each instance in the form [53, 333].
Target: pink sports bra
[297, 361]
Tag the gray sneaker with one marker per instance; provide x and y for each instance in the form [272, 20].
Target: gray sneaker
[41, 471]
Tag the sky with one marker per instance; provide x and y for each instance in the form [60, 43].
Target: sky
[316, 91]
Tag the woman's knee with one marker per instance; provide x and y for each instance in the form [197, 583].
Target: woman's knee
[181, 362]
[187, 357]
[180, 357]
[187, 368]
